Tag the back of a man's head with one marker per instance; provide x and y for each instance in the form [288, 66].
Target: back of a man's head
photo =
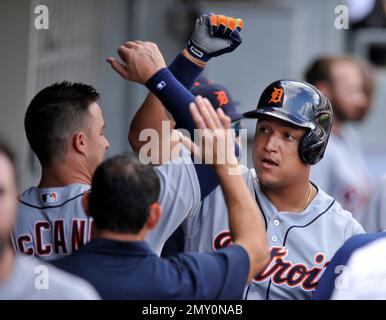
[122, 191]
[321, 70]
[347, 81]
[54, 115]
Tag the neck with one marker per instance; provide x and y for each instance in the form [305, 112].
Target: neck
[292, 198]
[121, 236]
[63, 174]
[7, 259]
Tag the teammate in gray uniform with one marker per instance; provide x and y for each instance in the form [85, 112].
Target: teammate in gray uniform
[343, 172]
[375, 218]
[64, 126]
[22, 278]
[52, 219]
[305, 226]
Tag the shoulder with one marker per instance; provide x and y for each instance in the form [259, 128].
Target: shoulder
[60, 285]
[338, 217]
[333, 207]
[370, 253]
[70, 286]
[52, 197]
[360, 240]
[366, 268]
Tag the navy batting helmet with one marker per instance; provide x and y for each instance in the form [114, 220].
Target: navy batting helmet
[303, 105]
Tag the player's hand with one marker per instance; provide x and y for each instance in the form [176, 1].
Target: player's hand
[141, 61]
[217, 144]
[214, 35]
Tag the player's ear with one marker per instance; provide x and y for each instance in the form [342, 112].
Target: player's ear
[154, 215]
[79, 142]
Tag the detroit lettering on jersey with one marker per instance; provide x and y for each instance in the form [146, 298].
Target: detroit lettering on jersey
[279, 270]
[301, 244]
[52, 222]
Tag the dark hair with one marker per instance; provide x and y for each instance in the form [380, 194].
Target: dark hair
[319, 70]
[122, 191]
[54, 115]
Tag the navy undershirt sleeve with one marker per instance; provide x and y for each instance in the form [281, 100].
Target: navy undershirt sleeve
[185, 71]
[176, 98]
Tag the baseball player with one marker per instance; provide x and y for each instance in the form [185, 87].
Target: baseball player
[304, 225]
[53, 220]
[28, 278]
[121, 266]
[64, 126]
[375, 218]
[343, 172]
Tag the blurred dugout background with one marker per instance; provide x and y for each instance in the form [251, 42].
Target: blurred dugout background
[280, 38]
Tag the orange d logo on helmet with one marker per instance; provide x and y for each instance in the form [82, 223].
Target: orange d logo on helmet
[276, 95]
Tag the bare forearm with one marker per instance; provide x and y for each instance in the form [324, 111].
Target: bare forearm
[151, 114]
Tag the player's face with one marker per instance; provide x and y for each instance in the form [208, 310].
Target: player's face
[348, 96]
[275, 154]
[8, 196]
[97, 143]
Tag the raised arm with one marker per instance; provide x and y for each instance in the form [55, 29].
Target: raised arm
[245, 218]
[152, 113]
[145, 65]
[213, 35]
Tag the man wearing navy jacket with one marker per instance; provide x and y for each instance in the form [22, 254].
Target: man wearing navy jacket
[123, 203]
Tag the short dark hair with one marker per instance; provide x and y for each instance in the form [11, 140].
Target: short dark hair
[319, 70]
[54, 115]
[121, 192]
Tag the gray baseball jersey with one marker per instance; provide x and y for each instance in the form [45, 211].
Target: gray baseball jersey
[343, 173]
[301, 244]
[30, 279]
[52, 222]
[374, 219]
